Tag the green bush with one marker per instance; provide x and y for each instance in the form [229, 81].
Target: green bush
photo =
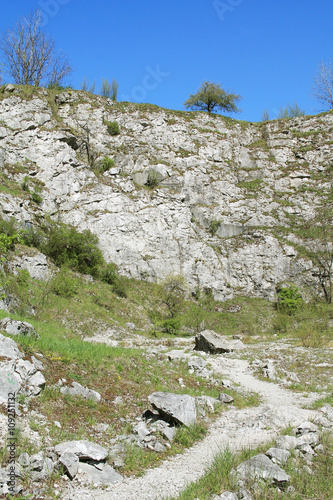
[171, 325]
[79, 251]
[213, 226]
[104, 165]
[63, 284]
[25, 185]
[113, 128]
[109, 273]
[36, 198]
[33, 237]
[8, 227]
[289, 299]
[152, 180]
[119, 287]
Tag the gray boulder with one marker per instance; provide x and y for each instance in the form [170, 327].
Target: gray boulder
[79, 390]
[197, 364]
[13, 327]
[277, 455]
[261, 467]
[179, 408]
[286, 442]
[10, 381]
[225, 398]
[105, 476]
[9, 349]
[226, 495]
[211, 342]
[36, 383]
[70, 461]
[85, 450]
[305, 428]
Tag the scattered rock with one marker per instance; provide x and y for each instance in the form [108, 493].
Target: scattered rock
[85, 450]
[78, 390]
[70, 461]
[286, 442]
[277, 455]
[225, 398]
[179, 408]
[8, 348]
[305, 428]
[210, 342]
[99, 477]
[13, 327]
[261, 467]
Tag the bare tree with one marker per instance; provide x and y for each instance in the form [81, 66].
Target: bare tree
[29, 54]
[322, 89]
[108, 89]
[87, 86]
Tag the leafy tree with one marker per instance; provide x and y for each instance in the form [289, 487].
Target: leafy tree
[291, 111]
[173, 293]
[29, 54]
[212, 96]
[322, 89]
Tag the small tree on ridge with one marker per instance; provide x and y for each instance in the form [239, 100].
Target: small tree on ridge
[212, 96]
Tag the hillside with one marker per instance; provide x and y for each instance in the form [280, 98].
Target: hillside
[184, 193]
[139, 355]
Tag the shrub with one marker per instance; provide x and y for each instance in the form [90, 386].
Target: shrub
[33, 237]
[119, 287]
[79, 251]
[109, 273]
[113, 128]
[171, 325]
[25, 185]
[8, 227]
[289, 299]
[104, 165]
[63, 284]
[36, 198]
[152, 180]
[213, 226]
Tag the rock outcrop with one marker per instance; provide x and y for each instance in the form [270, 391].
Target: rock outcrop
[189, 193]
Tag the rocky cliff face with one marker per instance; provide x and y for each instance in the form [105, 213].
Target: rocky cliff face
[218, 187]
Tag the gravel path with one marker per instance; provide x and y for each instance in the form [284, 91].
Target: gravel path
[234, 429]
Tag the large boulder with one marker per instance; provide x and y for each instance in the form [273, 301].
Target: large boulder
[178, 408]
[9, 349]
[211, 342]
[14, 327]
[105, 476]
[261, 467]
[85, 450]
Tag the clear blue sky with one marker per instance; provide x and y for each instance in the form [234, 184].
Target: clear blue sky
[161, 50]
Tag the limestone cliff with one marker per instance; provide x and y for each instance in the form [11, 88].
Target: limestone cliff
[218, 187]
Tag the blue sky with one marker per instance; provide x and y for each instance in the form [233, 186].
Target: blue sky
[160, 51]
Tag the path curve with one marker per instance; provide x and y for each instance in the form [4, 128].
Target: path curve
[234, 429]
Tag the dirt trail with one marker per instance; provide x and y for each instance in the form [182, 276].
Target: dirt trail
[234, 429]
